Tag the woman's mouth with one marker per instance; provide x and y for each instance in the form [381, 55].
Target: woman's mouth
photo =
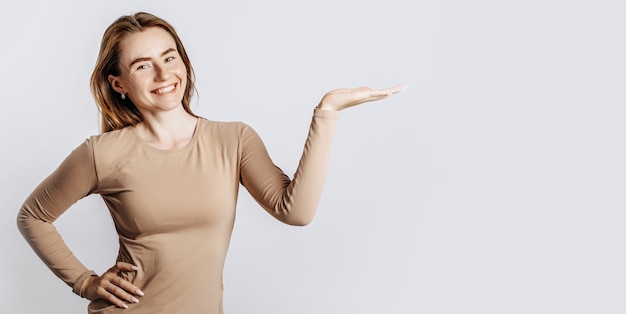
[165, 90]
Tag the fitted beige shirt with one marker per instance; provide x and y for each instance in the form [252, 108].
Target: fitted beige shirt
[174, 210]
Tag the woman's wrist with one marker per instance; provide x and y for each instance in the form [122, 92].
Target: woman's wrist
[81, 282]
[325, 106]
[86, 284]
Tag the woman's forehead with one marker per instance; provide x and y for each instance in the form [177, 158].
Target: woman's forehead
[150, 42]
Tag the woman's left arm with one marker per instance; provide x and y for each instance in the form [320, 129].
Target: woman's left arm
[294, 201]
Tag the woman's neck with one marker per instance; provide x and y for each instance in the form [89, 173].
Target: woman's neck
[167, 130]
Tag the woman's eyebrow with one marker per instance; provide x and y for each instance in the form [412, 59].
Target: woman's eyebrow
[148, 59]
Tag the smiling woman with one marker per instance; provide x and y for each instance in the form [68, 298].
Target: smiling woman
[153, 76]
[169, 178]
[121, 49]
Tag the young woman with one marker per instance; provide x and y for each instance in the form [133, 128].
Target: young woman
[169, 178]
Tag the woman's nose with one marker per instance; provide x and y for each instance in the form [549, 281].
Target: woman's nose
[162, 73]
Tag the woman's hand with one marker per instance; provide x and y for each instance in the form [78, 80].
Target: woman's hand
[110, 286]
[343, 98]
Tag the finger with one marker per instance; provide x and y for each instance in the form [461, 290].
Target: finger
[103, 293]
[366, 95]
[127, 286]
[112, 277]
[121, 294]
[392, 90]
[373, 96]
[125, 266]
[114, 300]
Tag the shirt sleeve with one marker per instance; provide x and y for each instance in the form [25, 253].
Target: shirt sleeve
[74, 179]
[292, 201]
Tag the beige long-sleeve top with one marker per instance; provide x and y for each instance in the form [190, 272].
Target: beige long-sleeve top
[174, 210]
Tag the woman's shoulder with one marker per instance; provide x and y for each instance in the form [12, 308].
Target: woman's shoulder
[113, 138]
[226, 133]
[221, 127]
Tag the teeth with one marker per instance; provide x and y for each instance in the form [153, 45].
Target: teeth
[164, 90]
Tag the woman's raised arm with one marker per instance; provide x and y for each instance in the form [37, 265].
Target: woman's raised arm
[294, 201]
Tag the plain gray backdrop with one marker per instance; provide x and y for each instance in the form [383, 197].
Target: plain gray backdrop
[495, 183]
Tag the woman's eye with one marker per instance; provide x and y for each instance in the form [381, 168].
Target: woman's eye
[168, 59]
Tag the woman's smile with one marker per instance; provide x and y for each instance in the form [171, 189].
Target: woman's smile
[166, 90]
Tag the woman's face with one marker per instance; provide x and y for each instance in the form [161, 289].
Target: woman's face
[152, 73]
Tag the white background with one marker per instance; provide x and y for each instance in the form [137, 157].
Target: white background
[494, 184]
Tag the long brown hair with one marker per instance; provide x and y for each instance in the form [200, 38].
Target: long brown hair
[117, 113]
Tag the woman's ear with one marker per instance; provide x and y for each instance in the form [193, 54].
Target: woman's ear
[116, 84]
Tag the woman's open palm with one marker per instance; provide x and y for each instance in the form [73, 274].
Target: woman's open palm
[343, 98]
